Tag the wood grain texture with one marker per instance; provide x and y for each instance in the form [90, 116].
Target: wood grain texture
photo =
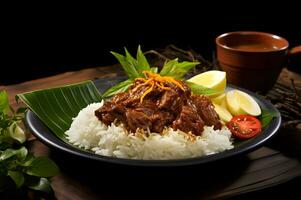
[85, 180]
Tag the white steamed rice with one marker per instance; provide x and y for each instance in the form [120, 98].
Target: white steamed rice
[88, 132]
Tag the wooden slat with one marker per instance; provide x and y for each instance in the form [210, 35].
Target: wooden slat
[262, 168]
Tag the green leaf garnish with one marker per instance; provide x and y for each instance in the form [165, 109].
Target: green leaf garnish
[15, 160]
[21, 110]
[8, 153]
[42, 167]
[120, 87]
[141, 60]
[133, 67]
[4, 104]
[17, 177]
[16, 132]
[127, 66]
[177, 69]
[266, 117]
[199, 89]
[39, 184]
[154, 70]
[27, 161]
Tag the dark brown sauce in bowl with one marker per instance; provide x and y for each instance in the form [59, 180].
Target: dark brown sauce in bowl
[255, 47]
[252, 41]
[252, 60]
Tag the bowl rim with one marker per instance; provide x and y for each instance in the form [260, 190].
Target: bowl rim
[228, 34]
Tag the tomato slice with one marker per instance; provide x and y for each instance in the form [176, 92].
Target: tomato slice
[244, 126]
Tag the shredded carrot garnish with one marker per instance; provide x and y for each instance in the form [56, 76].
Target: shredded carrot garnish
[142, 84]
[147, 91]
[160, 85]
[155, 80]
[171, 80]
[141, 79]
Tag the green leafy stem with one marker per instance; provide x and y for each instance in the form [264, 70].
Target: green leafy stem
[134, 68]
[16, 162]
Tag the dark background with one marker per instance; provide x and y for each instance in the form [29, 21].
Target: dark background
[45, 41]
[42, 40]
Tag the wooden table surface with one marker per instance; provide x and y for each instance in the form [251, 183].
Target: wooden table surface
[275, 163]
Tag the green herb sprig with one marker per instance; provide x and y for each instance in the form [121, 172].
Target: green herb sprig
[134, 68]
[198, 89]
[16, 162]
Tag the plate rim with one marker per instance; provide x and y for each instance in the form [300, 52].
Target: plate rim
[253, 144]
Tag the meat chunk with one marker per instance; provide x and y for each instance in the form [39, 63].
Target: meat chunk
[156, 105]
[170, 100]
[120, 98]
[206, 111]
[160, 120]
[189, 121]
[110, 112]
[137, 119]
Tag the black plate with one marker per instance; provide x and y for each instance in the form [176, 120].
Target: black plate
[47, 137]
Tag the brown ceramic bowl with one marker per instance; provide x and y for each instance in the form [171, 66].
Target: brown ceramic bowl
[252, 60]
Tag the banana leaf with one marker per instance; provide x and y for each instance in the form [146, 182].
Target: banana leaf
[57, 106]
